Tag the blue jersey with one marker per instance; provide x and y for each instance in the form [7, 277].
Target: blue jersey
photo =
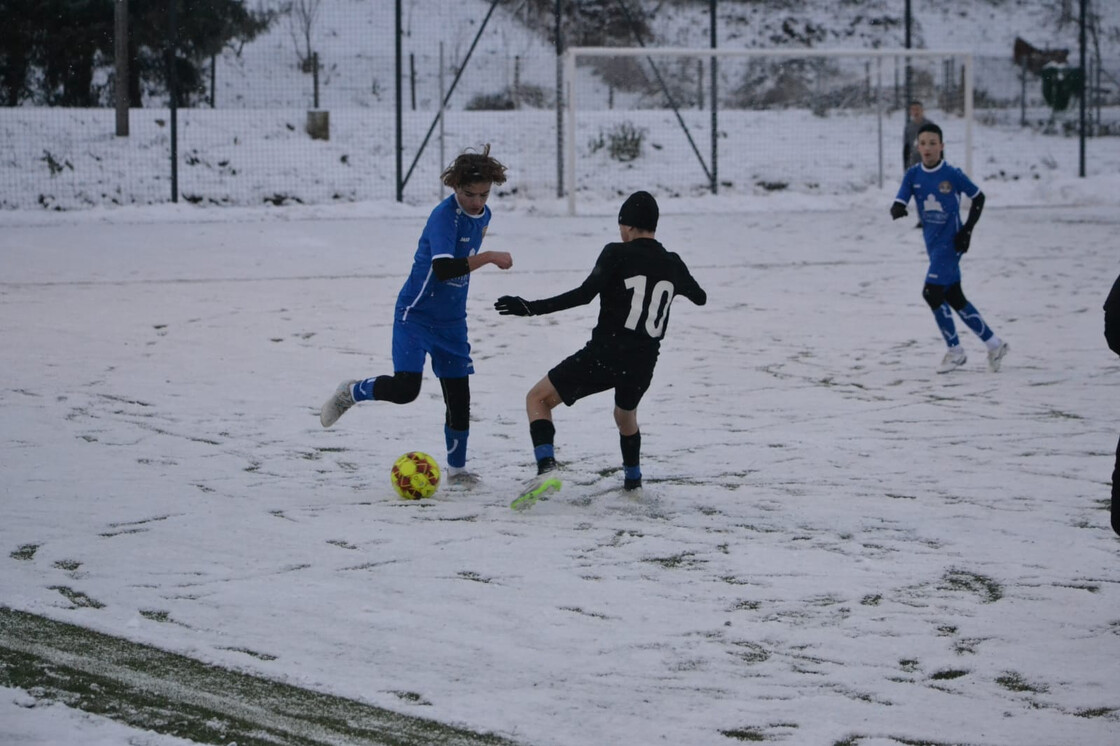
[452, 233]
[937, 192]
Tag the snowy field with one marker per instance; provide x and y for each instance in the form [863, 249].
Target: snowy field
[835, 545]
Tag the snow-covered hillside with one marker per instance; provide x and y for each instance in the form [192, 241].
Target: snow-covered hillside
[252, 147]
[983, 27]
[357, 46]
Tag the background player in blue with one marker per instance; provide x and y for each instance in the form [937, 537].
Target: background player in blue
[935, 187]
[431, 311]
[636, 281]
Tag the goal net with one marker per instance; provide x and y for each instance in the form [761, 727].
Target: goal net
[696, 122]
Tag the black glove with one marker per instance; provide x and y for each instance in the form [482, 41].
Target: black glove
[513, 305]
[962, 240]
[898, 210]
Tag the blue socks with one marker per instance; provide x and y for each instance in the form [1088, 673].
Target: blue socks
[969, 315]
[363, 390]
[456, 447]
[944, 317]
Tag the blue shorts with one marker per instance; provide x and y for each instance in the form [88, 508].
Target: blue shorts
[448, 346]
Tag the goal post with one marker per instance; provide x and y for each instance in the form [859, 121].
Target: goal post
[701, 121]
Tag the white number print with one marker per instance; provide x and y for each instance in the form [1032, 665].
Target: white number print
[657, 309]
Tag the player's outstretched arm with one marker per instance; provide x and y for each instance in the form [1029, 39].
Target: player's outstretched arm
[446, 268]
[513, 305]
[697, 296]
[500, 259]
[691, 289]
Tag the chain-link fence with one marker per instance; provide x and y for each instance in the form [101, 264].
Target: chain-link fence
[304, 113]
[307, 111]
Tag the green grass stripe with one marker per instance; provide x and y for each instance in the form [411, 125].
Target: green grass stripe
[168, 693]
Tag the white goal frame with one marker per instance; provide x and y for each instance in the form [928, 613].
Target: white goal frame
[572, 54]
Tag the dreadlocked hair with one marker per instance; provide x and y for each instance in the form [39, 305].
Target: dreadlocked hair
[472, 168]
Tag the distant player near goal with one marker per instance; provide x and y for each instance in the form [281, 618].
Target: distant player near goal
[431, 312]
[935, 187]
[636, 281]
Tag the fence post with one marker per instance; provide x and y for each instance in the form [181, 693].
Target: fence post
[412, 78]
[315, 76]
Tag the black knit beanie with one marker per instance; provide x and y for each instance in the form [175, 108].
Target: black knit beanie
[639, 211]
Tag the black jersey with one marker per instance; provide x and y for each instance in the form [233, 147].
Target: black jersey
[1112, 318]
[636, 283]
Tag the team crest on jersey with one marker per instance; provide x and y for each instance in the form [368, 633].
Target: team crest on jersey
[945, 187]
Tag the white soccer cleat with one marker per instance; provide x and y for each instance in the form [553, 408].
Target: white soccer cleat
[458, 476]
[995, 357]
[953, 359]
[538, 488]
[336, 406]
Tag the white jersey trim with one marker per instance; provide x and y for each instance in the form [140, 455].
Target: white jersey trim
[419, 295]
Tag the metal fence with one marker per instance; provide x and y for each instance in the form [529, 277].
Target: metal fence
[284, 120]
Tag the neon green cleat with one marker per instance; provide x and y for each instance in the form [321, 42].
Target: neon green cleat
[538, 489]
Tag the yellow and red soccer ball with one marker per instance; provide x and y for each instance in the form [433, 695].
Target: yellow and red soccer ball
[415, 475]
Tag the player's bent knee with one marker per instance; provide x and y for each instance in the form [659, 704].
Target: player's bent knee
[626, 420]
[400, 388]
[540, 394]
[934, 295]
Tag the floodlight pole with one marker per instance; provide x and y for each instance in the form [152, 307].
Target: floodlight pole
[173, 89]
[120, 52]
[713, 67]
[559, 101]
[1084, 90]
[909, 95]
[570, 150]
[400, 99]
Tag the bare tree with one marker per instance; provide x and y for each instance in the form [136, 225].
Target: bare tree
[302, 15]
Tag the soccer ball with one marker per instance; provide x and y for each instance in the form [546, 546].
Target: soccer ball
[415, 476]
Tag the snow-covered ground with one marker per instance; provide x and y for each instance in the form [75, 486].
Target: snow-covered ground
[835, 542]
[835, 545]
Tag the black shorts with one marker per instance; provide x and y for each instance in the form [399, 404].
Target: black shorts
[599, 367]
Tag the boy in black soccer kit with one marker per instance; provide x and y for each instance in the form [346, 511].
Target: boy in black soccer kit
[1112, 336]
[636, 281]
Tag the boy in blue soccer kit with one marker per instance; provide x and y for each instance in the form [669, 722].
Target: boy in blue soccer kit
[935, 187]
[430, 318]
